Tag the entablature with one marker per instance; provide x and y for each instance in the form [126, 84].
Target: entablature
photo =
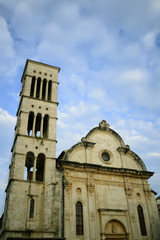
[87, 167]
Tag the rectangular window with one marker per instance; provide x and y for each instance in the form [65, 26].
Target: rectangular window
[79, 218]
[31, 210]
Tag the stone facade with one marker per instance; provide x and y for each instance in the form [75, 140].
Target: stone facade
[96, 190]
[111, 182]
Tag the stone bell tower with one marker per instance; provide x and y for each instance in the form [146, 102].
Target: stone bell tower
[33, 195]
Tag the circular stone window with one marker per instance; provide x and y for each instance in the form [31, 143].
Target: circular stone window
[105, 156]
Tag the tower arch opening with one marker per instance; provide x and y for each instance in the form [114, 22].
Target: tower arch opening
[40, 167]
[32, 86]
[38, 87]
[30, 123]
[50, 90]
[29, 163]
[44, 89]
[45, 126]
[38, 125]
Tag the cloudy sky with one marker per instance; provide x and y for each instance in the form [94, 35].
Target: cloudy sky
[109, 55]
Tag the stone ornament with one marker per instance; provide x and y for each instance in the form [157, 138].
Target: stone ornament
[90, 187]
[129, 191]
[113, 228]
[79, 191]
[104, 125]
[68, 186]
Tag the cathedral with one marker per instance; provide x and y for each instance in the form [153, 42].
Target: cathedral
[96, 190]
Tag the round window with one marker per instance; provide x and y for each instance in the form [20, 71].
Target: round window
[105, 156]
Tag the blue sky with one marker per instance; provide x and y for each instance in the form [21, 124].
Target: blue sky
[109, 55]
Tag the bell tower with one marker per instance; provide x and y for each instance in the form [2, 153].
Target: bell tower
[33, 195]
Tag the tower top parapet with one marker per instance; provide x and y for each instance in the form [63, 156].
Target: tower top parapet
[37, 66]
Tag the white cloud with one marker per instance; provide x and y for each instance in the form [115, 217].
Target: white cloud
[100, 97]
[154, 154]
[97, 94]
[4, 177]
[132, 50]
[7, 123]
[154, 182]
[155, 6]
[148, 40]
[6, 118]
[134, 75]
[62, 115]
[82, 109]
[6, 42]
[7, 63]
[78, 83]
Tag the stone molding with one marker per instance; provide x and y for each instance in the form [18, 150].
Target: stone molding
[87, 167]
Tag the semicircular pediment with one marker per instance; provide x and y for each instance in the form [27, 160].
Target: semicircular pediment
[105, 128]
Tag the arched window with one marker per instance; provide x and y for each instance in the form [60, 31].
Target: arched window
[32, 87]
[30, 124]
[38, 125]
[45, 126]
[50, 90]
[38, 87]
[40, 167]
[44, 88]
[79, 218]
[31, 209]
[29, 163]
[141, 221]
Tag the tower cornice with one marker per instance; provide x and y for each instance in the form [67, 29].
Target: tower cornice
[37, 63]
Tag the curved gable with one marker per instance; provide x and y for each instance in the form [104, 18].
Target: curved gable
[102, 142]
[130, 155]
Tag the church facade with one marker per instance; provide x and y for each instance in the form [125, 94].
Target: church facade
[96, 190]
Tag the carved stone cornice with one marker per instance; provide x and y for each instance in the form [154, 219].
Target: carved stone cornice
[87, 144]
[88, 167]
